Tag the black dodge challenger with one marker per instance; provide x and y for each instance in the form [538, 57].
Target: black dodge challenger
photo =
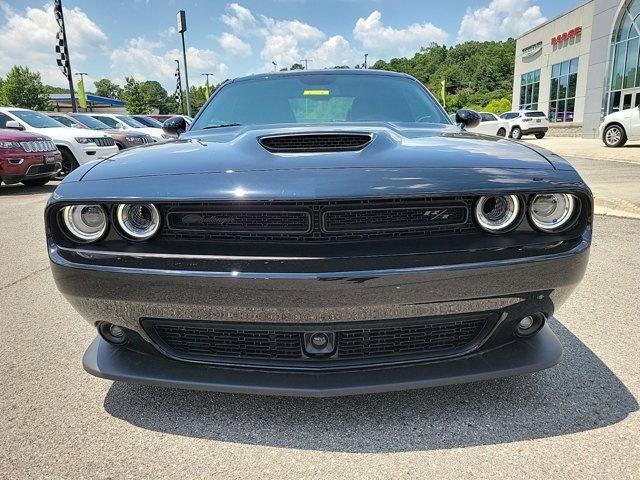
[320, 233]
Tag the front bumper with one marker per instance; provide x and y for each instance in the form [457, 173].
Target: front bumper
[541, 351]
[33, 166]
[508, 289]
[90, 152]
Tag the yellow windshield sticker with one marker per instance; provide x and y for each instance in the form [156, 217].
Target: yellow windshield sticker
[316, 92]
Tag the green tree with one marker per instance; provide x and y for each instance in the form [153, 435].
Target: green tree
[297, 66]
[134, 98]
[155, 95]
[498, 106]
[107, 88]
[24, 88]
[475, 72]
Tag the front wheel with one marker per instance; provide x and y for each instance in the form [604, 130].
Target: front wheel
[502, 132]
[516, 133]
[36, 182]
[539, 135]
[69, 163]
[614, 136]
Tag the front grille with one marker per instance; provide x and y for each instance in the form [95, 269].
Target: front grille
[283, 345]
[316, 143]
[38, 146]
[104, 141]
[241, 221]
[329, 221]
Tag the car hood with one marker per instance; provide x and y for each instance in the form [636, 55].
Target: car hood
[68, 133]
[236, 149]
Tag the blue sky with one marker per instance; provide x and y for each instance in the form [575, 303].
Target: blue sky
[115, 39]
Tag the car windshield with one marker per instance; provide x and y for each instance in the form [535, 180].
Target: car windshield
[534, 114]
[91, 122]
[318, 98]
[129, 121]
[149, 122]
[36, 120]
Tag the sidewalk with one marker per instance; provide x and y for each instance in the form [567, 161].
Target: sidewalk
[612, 173]
[588, 148]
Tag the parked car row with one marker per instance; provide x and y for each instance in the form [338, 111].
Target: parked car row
[76, 138]
[514, 124]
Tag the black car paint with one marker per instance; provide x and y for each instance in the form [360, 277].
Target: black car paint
[510, 276]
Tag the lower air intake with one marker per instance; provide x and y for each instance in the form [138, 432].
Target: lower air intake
[283, 345]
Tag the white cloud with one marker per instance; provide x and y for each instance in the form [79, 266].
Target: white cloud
[499, 20]
[234, 45]
[147, 60]
[239, 18]
[284, 41]
[28, 38]
[381, 40]
[332, 52]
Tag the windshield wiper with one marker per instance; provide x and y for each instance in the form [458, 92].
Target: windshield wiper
[223, 125]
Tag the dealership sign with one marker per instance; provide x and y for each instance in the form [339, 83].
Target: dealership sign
[563, 37]
[531, 50]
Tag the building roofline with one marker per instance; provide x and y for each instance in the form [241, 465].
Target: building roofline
[567, 12]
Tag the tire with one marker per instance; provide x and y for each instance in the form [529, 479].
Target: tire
[69, 163]
[516, 133]
[614, 136]
[502, 132]
[36, 182]
[540, 135]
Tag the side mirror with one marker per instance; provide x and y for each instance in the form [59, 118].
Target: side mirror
[468, 118]
[174, 126]
[12, 124]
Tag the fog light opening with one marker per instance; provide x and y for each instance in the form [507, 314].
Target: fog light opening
[112, 333]
[530, 325]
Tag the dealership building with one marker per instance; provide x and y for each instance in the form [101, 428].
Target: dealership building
[581, 65]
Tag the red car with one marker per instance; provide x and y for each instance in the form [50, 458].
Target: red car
[28, 158]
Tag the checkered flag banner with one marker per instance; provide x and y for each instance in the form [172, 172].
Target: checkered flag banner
[178, 94]
[62, 53]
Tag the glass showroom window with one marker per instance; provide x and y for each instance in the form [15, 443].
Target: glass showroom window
[562, 96]
[529, 90]
[624, 79]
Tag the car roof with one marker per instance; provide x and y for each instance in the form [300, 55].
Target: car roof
[328, 71]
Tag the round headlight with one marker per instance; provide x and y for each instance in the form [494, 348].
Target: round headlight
[140, 221]
[498, 212]
[552, 211]
[86, 223]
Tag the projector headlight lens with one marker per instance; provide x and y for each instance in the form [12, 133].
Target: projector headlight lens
[497, 213]
[139, 221]
[86, 223]
[552, 211]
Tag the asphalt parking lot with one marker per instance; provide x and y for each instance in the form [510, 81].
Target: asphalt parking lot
[577, 420]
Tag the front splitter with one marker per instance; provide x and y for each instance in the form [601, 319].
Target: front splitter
[104, 360]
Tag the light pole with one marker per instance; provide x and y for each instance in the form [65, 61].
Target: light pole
[275, 66]
[306, 62]
[365, 60]
[182, 27]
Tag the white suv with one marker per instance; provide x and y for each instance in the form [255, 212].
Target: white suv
[526, 122]
[77, 145]
[618, 127]
[125, 122]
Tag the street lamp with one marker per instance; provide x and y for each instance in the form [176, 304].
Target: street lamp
[182, 27]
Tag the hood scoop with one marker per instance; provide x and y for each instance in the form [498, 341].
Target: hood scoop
[315, 142]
